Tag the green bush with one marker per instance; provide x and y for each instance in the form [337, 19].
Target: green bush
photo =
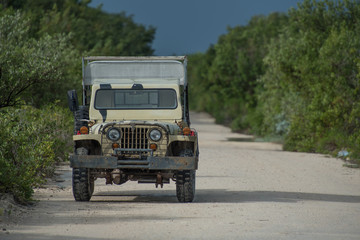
[32, 140]
[224, 80]
[293, 77]
[37, 71]
[313, 78]
[41, 44]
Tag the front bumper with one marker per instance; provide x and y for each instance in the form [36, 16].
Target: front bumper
[150, 163]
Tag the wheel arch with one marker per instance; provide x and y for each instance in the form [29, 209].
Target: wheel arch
[92, 146]
[176, 147]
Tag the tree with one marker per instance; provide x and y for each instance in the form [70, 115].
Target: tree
[94, 31]
[29, 68]
[228, 75]
[312, 80]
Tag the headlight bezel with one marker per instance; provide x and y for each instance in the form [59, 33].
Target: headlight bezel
[155, 135]
[113, 130]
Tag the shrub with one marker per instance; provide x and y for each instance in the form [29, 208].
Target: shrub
[312, 79]
[32, 140]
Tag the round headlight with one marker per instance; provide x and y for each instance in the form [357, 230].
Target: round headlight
[113, 134]
[155, 135]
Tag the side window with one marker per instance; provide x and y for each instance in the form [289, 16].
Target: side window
[104, 99]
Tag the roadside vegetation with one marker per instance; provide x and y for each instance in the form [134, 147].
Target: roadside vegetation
[41, 45]
[293, 77]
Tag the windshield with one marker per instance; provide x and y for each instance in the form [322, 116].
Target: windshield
[135, 99]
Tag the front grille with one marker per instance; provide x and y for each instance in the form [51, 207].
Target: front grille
[134, 145]
[135, 138]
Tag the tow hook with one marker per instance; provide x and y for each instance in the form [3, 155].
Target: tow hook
[159, 181]
[108, 178]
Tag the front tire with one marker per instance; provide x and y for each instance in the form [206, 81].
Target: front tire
[185, 181]
[82, 182]
[83, 187]
[185, 186]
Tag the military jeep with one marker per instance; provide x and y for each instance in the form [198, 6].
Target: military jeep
[133, 125]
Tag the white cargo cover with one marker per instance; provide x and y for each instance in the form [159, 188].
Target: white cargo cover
[111, 72]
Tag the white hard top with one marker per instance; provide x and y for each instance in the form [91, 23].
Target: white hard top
[122, 71]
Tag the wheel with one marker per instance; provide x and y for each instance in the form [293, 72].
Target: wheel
[185, 181]
[81, 114]
[83, 187]
[82, 182]
[185, 186]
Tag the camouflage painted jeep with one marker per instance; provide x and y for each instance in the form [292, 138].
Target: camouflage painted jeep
[133, 125]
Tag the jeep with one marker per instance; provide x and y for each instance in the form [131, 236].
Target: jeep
[133, 125]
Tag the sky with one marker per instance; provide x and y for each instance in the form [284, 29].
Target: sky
[189, 26]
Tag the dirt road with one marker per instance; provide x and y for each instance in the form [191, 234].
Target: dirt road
[245, 190]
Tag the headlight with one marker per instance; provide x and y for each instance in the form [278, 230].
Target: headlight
[155, 135]
[113, 134]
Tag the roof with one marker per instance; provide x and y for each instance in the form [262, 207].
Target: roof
[127, 69]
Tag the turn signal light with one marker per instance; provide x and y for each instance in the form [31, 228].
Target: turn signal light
[84, 130]
[186, 131]
[115, 145]
[153, 146]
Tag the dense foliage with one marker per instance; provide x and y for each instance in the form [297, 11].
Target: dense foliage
[295, 76]
[41, 44]
[32, 140]
[314, 74]
[225, 79]
[33, 70]
[93, 31]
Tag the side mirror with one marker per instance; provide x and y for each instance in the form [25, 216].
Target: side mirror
[73, 100]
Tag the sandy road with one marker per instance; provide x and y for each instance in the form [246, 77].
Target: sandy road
[245, 190]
